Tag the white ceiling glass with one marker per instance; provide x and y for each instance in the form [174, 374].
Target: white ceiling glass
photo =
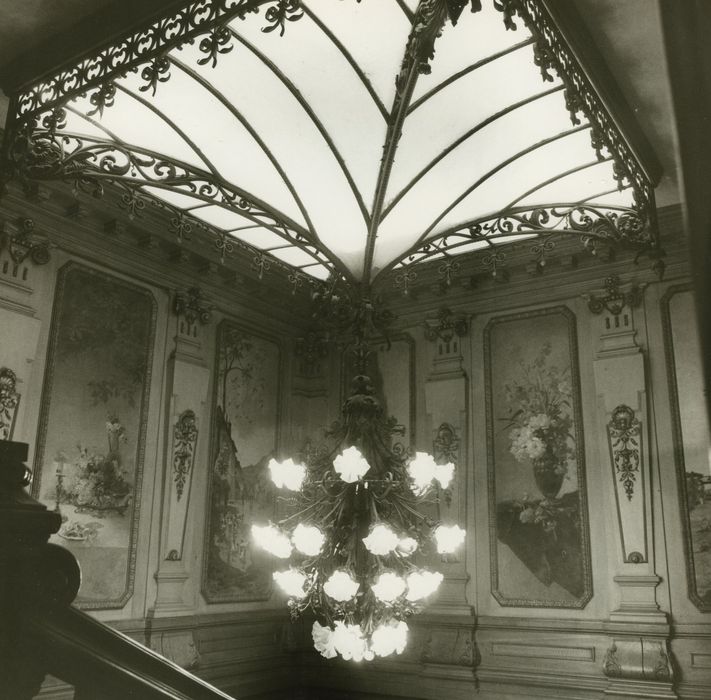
[303, 146]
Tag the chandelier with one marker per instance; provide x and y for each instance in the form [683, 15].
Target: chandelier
[355, 530]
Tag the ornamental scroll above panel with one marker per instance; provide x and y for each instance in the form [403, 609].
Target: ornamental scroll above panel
[91, 442]
[539, 532]
[691, 437]
[246, 416]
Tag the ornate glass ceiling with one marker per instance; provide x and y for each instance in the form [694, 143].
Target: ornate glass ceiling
[346, 138]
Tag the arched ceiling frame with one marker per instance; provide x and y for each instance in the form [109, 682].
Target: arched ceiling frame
[37, 148]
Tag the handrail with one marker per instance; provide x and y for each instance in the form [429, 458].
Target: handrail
[102, 662]
[41, 633]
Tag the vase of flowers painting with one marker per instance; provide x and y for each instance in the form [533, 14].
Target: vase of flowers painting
[540, 425]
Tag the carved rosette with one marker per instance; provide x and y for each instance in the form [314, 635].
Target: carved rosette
[9, 399]
[185, 435]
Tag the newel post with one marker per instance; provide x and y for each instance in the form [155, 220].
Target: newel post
[35, 576]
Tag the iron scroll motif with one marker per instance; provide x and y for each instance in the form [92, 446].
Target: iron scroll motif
[185, 436]
[624, 432]
[9, 399]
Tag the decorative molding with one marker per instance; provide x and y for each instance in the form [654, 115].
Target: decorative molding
[585, 548]
[185, 434]
[543, 651]
[639, 659]
[192, 306]
[9, 401]
[22, 242]
[702, 602]
[445, 326]
[446, 444]
[624, 434]
[615, 300]
[310, 350]
[43, 425]
[179, 647]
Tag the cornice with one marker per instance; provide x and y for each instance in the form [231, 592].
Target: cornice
[93, 230]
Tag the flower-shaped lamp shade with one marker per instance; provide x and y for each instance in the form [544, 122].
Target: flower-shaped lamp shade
[444, 474]
[388, 638]
[349, 642]
[287, 474]
[323, 640]
[308, 539]
[388, 587]
[341, 586]
[381, 540]
[421, 584]
[291, 582]
[273, 540]
[448, 538]
[422, 469]
[350, 465]
[406, 546]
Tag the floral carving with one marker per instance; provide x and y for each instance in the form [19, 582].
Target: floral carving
[624, 432]
[25, 244]
[192, 306]
[445, 326]
[185, 436]
[614, 300]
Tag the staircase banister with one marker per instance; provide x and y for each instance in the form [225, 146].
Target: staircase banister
[41, 633]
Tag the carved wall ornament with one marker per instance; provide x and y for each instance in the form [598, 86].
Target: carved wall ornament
[615, 300]
[22, 243]
[185, 436]
[446, 444]
[310, 350]
[445, 326]
[639, 659]
[9, 399]
[611, 665]
[624, 432]
[192, 306]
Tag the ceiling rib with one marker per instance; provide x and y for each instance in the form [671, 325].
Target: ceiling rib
[465, 71]
[489, 120]
[253, 133]
[426, 27]
[555, 178]
[361, 75]
[493, 171]
[311, 114]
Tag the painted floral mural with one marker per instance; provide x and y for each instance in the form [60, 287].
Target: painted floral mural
[245, 420]
[90, 447]
[539, 538]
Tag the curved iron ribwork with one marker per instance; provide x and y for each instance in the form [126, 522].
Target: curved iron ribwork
[614, 225]
[38, 147]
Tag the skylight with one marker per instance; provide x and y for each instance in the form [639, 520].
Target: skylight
[326, 136]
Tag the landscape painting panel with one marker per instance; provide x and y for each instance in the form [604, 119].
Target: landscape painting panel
[538, 509]
[244, 438]
[92, 428]
[692, 439]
